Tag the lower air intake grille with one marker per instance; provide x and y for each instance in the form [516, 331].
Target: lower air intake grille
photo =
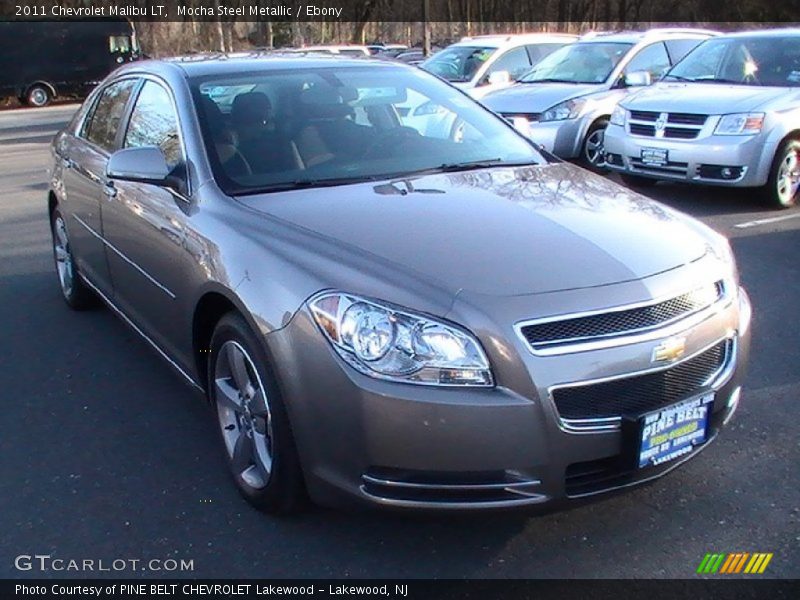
[640, 393]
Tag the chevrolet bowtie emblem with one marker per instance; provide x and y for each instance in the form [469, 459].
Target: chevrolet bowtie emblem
[669, 350]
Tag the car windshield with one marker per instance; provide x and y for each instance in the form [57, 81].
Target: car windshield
[311, 127]
[458, 63]
[588, 62]
[763, 60]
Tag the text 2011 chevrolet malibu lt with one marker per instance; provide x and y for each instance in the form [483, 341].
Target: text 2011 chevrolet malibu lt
[385, 317]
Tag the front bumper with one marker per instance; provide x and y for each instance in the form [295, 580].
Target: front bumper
[378, 443]
[701, 160]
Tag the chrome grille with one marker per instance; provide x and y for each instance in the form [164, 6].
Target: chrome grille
[639, 394]
[683, 126]
[620, 322]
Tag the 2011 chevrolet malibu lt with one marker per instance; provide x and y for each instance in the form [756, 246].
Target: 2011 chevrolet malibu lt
[388, 318]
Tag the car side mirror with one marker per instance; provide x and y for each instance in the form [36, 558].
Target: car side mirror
[499, 78]
[638, 79]
[146, 164]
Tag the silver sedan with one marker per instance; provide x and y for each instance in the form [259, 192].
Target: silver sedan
[388, 317]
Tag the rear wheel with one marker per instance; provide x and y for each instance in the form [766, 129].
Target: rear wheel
[253, 422]
[781, 190]
[637, 181]
[38, 95]
[593, 154]
[76, 293]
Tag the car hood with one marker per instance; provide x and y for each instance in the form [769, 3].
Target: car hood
[500, 232]
[706, 98]
[536, 97]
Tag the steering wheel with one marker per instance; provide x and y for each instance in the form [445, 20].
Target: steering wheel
[391, 140]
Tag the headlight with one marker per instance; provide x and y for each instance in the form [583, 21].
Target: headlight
[618, 116]
[740, 124]
[566, 110]
[385, 342]
[720, 247]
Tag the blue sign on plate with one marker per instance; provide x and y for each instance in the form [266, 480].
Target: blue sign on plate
[671, 432]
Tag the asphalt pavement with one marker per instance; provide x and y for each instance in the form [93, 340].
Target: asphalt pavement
[105, 454]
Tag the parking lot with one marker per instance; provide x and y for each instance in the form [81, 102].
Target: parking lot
[107, 454]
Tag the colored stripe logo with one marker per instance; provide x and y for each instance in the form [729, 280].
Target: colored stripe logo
[733, 563]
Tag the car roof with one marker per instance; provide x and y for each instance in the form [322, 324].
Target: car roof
[764, 33]
[499, 41]
[204, 65]
[634, 37]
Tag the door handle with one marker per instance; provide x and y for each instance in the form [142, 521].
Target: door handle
[66, 163]
[110, 190]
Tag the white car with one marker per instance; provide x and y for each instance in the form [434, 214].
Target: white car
[351, 50]
[485, 63]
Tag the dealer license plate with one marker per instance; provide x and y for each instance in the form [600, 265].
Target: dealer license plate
[656, 157]
[672, 432]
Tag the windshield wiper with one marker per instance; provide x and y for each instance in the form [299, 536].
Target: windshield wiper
[723, 80]
[470, 165]
[546, 80]
[680, 78]
[301, 184]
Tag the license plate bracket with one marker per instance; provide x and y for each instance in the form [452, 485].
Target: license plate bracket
[654, 157]
[673, 431]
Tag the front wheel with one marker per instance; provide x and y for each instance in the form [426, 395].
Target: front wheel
[76, 293]
[593, 155]
[781, 190]
[253, 422]
[38, 95]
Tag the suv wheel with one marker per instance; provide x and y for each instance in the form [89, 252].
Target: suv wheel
[593, 154]
[781, 190]
[253, 422]
[76, 293]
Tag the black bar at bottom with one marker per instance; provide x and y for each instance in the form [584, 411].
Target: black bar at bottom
[722, 588]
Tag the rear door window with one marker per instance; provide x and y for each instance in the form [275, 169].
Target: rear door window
[102, 125]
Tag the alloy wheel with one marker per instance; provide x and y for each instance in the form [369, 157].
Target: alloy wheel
[788, 179]
[64, 264]
[244, 415]
[594, 148]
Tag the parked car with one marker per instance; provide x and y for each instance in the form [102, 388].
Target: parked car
[351, 50]
[414, 56]
[728, 114]
[386, 50]
[485, 63]
[386, 318]
[564, 102]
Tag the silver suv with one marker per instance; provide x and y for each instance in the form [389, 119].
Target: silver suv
[565, 101]
[728, 114]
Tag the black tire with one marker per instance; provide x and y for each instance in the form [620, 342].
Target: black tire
[593, 155]
[280, 490]
[75, 292]
[637, 181]
[781, 190]
[38, 95]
